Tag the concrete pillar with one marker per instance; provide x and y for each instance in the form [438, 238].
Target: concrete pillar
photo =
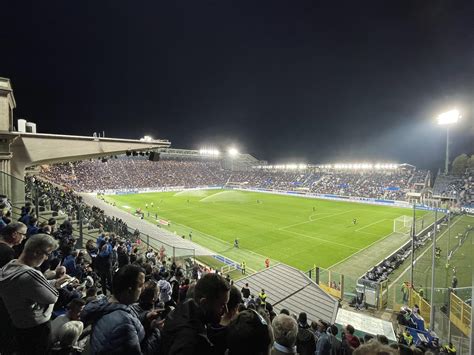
[7, 103]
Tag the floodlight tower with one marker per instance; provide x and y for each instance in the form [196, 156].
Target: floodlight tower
[447, 119]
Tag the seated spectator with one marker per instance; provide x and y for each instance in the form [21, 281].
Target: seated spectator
[285, 330]
[116, 327]
[28, 296]
[249, 334]
[68, 336]
[13, 234]
[75, 308]
[305, 343]
[185, 330]
[91, 294]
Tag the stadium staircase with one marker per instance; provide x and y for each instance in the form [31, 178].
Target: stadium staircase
[289, 288]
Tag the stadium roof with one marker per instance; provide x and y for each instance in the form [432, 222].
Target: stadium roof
[291, 289]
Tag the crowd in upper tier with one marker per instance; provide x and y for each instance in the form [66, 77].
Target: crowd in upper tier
[457, 187]
[140, 173]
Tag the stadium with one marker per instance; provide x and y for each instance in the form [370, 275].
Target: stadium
[347, 235]
[236, 178]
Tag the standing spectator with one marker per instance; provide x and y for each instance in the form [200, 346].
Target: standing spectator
[285, 330]
[185, 328]
[10, 236]
[249, 334]
[245, 293]
[263, 297]
[323, 347]
[336, 345]
[217, 333]
[103, 264]
[305, 343]
[28, 297]
[122, 256]
[116, 327]
[349, 340]
[165, 293]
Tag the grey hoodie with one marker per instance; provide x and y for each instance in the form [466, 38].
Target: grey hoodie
[27, 295]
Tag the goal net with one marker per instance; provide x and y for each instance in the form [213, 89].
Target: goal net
[402, 225]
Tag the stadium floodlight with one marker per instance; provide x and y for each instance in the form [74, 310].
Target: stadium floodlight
[447, 119]
[211, 152]
[146, 139]
[233, 152]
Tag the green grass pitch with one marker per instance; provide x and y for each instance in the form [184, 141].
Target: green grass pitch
[301, 232]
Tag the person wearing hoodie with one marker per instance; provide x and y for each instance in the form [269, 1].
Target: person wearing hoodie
[305, 343]
[185, 329]
[116, 327]
[28, 297]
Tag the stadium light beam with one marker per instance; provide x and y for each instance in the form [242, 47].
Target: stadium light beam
[447, 119]
[233, 152]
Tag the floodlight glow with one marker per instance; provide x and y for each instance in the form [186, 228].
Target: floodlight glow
[233, 152]
[211, 152]
[449, 117]
[146, 139]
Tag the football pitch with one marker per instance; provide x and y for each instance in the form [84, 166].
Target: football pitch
[301, 232]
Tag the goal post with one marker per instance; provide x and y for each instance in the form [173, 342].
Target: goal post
[226, 269]
[402, 225]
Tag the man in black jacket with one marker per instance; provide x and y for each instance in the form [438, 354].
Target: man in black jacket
[185, 330]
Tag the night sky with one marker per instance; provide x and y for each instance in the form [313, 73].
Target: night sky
[294, 80]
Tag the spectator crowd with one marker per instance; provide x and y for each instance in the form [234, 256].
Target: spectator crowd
[456, 187]
[133, 173]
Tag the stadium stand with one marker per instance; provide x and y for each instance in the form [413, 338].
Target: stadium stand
[135, 173]
[459, 188]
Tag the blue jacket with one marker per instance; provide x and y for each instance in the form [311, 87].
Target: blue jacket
[70, 265]
[116, 328]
